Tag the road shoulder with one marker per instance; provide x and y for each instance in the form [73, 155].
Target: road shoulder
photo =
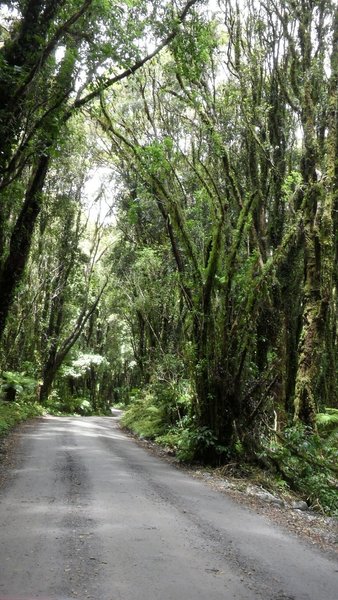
[317, 530]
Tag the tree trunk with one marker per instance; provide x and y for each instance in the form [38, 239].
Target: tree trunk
[48, 375]
[314, 346]
[21, 239]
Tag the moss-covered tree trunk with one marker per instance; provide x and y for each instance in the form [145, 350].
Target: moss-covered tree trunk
[315, 346]
[313, 326]
[20, 243]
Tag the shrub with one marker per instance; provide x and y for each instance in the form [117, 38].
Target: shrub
[15, 412]
[144, 416]
[157, 408]
[68, 405]
[190, 442]
[15, 385]
[309, 463]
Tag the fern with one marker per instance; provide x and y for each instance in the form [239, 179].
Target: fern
[328, 421]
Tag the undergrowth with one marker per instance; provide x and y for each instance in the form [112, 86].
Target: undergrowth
[155, 409]
[17, 400]
[74, 405]
[300, 460]
[12, 413]
[145, 416]
[308, 461]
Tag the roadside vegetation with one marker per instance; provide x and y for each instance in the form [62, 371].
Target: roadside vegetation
[18, 400]
[169, 226]
[13, 414]
[296, 460]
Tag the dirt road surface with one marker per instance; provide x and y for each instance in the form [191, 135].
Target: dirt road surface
[86, 513]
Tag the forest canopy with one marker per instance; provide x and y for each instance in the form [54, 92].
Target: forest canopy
[168, 222]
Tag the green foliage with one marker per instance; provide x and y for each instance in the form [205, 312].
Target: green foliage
[14, 412]
[309, 464]
[156, 413]
[144, 416]
[78, 405]
[193, 51]
[23, 385]
[154, 156]
[82, 364]
[328, 421]
[291, 182]
[71, 405]
[157, 408]
[190, 442]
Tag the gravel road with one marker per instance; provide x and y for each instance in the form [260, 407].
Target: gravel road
[86, 513]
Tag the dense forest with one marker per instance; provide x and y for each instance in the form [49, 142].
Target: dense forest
[169, 224]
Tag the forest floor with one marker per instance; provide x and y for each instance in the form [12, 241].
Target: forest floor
[284, 508]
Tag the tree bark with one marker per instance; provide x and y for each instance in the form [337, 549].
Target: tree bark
[21, 238]
[314, 346]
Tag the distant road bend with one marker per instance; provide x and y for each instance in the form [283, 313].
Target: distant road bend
[87, 513]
